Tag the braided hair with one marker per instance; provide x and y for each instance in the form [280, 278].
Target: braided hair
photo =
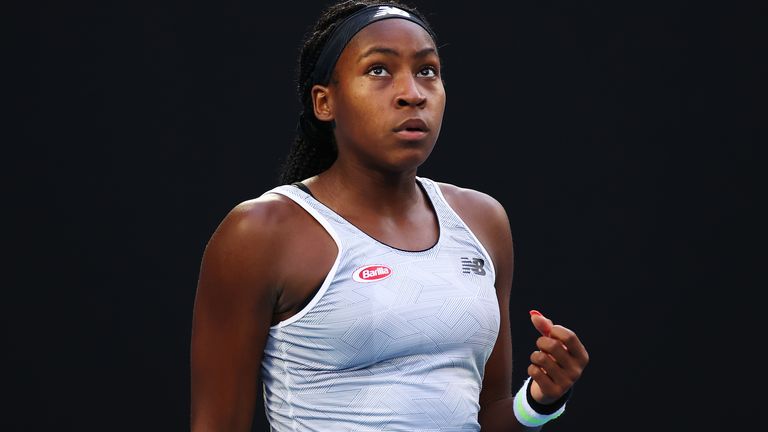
[314, 149]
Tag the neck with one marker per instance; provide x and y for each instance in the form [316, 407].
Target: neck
[354, 190]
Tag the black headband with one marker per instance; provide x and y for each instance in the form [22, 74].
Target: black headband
[348, 28]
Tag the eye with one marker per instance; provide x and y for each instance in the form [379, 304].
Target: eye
[428, 72]
[378, 71]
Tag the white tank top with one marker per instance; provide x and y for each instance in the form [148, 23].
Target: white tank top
[393, 340]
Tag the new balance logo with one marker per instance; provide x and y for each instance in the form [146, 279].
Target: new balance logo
[474, 265]
[389, 10]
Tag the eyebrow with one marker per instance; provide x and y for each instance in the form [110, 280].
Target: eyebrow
[393, 52]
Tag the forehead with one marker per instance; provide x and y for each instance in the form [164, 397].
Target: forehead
[399, 34]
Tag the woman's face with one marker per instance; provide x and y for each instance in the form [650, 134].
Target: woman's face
[386, 96]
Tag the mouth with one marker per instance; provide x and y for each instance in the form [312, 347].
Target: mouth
[411, 129]
[412, 125]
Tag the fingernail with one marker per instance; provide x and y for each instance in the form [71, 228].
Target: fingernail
[535, 312]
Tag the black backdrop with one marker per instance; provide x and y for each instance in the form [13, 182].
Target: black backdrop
[620, 137]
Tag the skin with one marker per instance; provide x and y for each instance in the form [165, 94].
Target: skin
[248, 281]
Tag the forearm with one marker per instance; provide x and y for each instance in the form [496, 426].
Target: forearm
[498, 416]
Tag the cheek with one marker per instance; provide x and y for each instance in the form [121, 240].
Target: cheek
[441, 92]
[362, 108]
[442, 100]
[439, 102]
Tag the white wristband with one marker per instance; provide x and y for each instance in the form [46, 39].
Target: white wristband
[525, 414]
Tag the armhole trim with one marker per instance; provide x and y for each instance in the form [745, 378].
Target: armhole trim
[331, 274]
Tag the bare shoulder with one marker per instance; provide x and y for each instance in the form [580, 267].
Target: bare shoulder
[259, 216]
[252, 233]
[472, 204]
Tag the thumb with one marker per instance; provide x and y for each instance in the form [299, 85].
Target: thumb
[542, 324]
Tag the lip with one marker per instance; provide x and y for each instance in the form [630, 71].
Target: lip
[412, 129]
[414, 124]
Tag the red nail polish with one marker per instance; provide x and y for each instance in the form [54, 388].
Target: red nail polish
[535, 312]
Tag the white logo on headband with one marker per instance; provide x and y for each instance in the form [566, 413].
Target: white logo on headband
[389, 10]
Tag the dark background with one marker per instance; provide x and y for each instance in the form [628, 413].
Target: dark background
[620, 136]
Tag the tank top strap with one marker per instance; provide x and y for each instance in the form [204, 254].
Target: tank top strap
[450, 221]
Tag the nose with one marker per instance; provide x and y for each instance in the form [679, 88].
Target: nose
[409, 93]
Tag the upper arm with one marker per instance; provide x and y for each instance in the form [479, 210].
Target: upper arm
[234, 302]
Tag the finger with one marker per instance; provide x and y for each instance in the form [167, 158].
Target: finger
[566, 369]
[540, 376]
[555, 350]
[547, 388]
[571, 342]
[542, 324]
[553, 370]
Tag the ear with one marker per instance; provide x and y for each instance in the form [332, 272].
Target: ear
[322, 102]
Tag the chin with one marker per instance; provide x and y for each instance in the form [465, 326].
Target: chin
[410, 159]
